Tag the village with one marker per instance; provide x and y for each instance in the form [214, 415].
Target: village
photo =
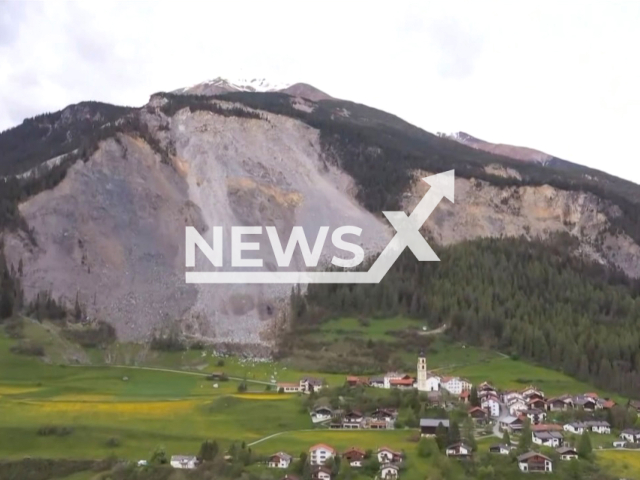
[549, 425]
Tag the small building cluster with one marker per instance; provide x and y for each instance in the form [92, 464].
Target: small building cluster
[379, 419]
[389, 460]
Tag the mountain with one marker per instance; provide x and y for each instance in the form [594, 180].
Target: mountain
[221, 85]
[524, 154]
[102, 226]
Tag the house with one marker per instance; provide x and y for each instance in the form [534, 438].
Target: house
[567, 453]
[386, 455]
[532, 392]
[558, 404]
[630, 435]
[585, 403]
[321, 414]
[491, 404]
[619, 444]
[510, 424]
[548, 439]
[389, 471]
[279, 460]
[516, 407]
[478, 415]
[356, 381]
[428, 426]
[485, 387]
[184, 461]
[635, 405]
[142, 463]
[384, 414]
[576, 427]
[546, 427]
[464, 396]
[320, 453]
[288, 387]
[606, 404]
[355, 456]
[377, 382]
[310, 384]
[510, 397]
[321, 473]
[534, 462]
[535, 415]
[392, 376]
[459, 450]
[405, 382]
[501, 449]
[599, 426]
[536, 403]
[353, 417]
[455, 385]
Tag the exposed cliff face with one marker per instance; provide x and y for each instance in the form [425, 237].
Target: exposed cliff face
[485, 210]
[113, 230]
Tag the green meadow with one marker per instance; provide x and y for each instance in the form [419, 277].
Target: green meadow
[127, 401]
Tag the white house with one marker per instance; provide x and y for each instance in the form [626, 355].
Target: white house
[455, 385]
[377, 382]
[630, 435]
[535, 415]
[619, 444]
[279, 460]
[501, 449]
[510, 397]
[491, 404]
[310, 384]
[389, 471]
[288, 387]
[386, 455]
[567, 453]
[459, 450]
[575, 427]
[534, 462]
[321, 414]
[531, 391]
[599, 426]
[320, 453]
[516, 407]
[184, 461]
[548, 439]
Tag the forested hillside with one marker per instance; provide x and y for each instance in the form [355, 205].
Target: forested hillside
[535, 299]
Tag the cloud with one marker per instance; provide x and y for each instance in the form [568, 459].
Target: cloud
[459, 47]
[512, 72]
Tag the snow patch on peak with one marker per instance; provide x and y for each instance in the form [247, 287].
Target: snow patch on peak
[241, 85]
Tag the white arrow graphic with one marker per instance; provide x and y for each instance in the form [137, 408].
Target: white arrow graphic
[408, 235]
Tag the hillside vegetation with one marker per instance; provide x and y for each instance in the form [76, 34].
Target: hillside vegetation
[530, 299]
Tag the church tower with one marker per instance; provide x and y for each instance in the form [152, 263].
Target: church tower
[422, 372]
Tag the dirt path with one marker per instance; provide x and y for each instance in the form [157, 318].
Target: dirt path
[184, 372]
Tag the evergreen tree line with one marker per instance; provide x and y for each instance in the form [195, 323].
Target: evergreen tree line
[530, 299]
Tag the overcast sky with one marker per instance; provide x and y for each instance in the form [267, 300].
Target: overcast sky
[562, 77]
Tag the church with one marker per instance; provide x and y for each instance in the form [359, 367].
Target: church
[425, 381]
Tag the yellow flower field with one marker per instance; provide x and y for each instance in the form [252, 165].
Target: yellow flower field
[137, 409]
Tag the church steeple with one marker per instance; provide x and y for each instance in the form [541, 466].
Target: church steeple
[422, 371]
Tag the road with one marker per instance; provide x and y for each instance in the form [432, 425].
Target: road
[184, 372]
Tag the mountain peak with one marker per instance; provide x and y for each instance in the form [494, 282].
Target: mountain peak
[220, 85]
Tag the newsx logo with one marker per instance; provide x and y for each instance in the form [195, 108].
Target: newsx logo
[407, 235]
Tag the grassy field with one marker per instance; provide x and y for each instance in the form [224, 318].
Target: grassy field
[506, 373]
[144, 409]
[626, 464]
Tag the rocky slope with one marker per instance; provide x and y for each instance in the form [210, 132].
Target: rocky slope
[112, 232]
